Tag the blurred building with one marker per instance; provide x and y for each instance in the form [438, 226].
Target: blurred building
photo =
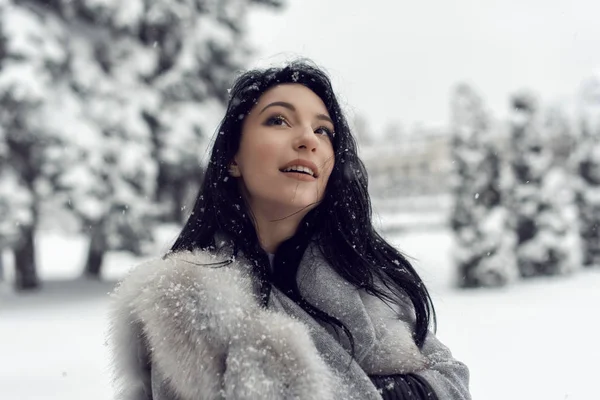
[420, 164]
[416, 164]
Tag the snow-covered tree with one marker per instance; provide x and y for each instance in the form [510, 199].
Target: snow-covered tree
[484, 247]
[33, 96]
[199, 46]
[539, 195]
[111, 186]
[61, 117]
[587, 160]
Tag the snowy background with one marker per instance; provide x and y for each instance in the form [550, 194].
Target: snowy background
[479, 123]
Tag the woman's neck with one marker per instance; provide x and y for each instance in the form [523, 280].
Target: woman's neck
[272, 230]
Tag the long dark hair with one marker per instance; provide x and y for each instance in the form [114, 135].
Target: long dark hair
[340, 225]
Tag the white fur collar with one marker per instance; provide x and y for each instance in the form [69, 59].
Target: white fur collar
[206, 332]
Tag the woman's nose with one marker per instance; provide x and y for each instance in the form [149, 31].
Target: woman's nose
[307, 139]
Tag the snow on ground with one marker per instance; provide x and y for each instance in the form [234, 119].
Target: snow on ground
[534, 340]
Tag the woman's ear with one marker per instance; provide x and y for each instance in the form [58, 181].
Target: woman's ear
[234, 169]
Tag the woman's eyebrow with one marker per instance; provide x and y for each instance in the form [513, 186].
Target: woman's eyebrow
[279, 103]
[324, 117]
[291, 107]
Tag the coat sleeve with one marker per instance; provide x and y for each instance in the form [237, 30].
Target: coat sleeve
[403, 387]
[132, 374]
[145, 367]
[448, 377]
[140, 381]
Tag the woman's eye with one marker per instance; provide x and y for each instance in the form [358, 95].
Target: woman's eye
[325, 131]
[277, 120]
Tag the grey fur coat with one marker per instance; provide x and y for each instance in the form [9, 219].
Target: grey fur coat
[180, 330]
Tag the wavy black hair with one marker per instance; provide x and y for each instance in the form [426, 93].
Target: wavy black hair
[341, 225]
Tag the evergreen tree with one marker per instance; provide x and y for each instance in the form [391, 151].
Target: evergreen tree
[198, 45]
[68, 121]
[110, 188]
[536, 196]
[484, 248]
[560, 187]
[33, 98]
[587, 159]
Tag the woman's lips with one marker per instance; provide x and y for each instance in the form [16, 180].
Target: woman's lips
[300, 176]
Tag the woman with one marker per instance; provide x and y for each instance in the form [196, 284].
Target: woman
[278, 286]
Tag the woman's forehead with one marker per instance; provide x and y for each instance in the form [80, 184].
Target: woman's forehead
[295, 94]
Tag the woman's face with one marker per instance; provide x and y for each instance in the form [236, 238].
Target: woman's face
[286, 155]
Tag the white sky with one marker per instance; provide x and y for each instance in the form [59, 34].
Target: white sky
[394, 60]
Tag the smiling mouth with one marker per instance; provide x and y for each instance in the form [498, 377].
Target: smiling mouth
[298, 172]
[300, 169]
[302, 176]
